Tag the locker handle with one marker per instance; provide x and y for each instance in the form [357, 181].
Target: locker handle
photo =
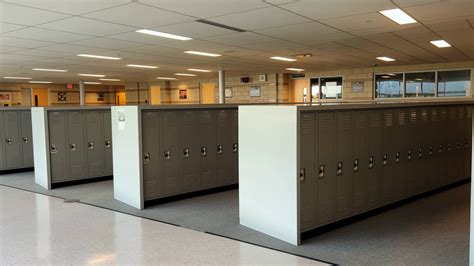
[146, 157]
[219, 149]
[440, 149]
[72, 147]
[356, 165]
[53, 148]
[385, 159]
[91, 145]
[322, 171]
[167, 155]
[409, 154]
[8, 141]
[420, 153]
[234, 148]
[339, 168]
[186, 153]
[397, 157]
[302, 175]
[449, 147]
[25, 139]
[203, 151]
[371, 162]
[108, 144]
[458, 145]
[430, 152]
[466, 144]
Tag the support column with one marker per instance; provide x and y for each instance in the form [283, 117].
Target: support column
[82, 93]
[221, 86]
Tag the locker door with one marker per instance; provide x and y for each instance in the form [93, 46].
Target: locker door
[343, 167]
[422, 151]
[107, 143]
[95, 148]
[189, 148]
[438, 147]
[12, 140]
[224, 156]
[171, 154]
[433, 180]
[400, 150]
[443, 161]
[459, 166]
[467, 142]
[411, 153]
[388, 157]
[374, 165]
[360, 160]
[152, 158]
[76, 124]
[58, 146]
[452, 145]
[308, 187]
[207, 143]
[235, 146]
[2, 142]
[326, 168]
[26, 139]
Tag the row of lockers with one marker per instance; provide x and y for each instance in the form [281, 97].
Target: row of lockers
[354, 161]
[80, 144]
[188, 150]
[16, 148]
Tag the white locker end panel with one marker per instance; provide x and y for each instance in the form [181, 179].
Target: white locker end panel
[126, 134]
[40, 147]
[268, 170]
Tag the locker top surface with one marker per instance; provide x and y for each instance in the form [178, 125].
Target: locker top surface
[15, 108]
[74, 108]
[187, 106]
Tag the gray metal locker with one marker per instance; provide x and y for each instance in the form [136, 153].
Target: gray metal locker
[411, 153]
[459, 150]
[76, 125]
[152, 159]
[344, 161]
[189, 148]
[59, 149]
[13, 140]
[326, 168]
[389, 154]
[95, 148]
[2, 142]
[452, 119]
[207, 144]
[223, 148]
[235, 146]
[467, 142]
[433, 175]
[421, 154]
[360, 161]
[171, 154]
[308, 186]
[26, 139]
[443, 160]
[107, 143]
[401, 148]
[374, 165]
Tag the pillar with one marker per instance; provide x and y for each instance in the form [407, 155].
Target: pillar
[221, 86]
[82, 96]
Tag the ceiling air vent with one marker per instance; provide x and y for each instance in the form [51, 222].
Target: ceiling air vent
[220, 25]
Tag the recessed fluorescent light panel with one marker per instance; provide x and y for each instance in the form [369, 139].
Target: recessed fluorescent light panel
[440, 43]
[386, 59]
[142, 66]
[99, 56]
[40, 82]
[398, 15]
[110, 79]
[16, 78]
[92, 75]
[165, 78]
[164, 35]
[283, 58]
[49, 69]
[202, 53]
[199, 70]
[295, 69]
[185, 74]
[92, 82]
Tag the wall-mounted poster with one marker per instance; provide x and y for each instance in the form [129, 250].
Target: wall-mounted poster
[100, 96]
[183, 94]
[357, 86]
[255, 91]
[228, 92]
[62, 96]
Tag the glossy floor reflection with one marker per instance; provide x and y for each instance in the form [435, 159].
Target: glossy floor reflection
[37, 229]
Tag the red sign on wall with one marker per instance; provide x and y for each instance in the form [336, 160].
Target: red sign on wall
[69, 86]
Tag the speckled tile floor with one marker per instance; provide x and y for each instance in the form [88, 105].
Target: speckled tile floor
[39, 229]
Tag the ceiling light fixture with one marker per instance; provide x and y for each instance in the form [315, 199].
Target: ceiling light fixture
[199, 70]
[165, 78]
[386, 59]
[92, 82]
[440, 43]
[110, 79]
[164, 35]
[398, 15]
[294, 69]
[185, 74]
[283, 58]
[49, 69]
[91, 75]
[40, 82]
[99, 56]
[16, 78]
[142, 66]
[202, 53]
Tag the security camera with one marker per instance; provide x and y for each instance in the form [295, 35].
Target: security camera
[375, 65]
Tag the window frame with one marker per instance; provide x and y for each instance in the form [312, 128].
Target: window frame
[319, 88]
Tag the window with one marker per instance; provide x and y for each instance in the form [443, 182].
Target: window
[389, 85]
[331, 88]
[314, 89]
[454, 83]
[421, 84]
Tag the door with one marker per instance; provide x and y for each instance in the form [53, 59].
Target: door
[207, 142]
[107, 143]
[121, 98]
[26, 96]
[26, 139]
[360, 161]
[40, 97]
[189, 148]
[208, 95]
[95, 148]
[308, 186]
[223, 148]
[171, 154]
[152, 159]
[327, 193]
[57, 146]
[155, 95]
[2, 142]
[76, 126]
[13, 140]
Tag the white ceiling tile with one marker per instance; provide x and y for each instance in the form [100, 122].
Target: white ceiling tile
[87, 26]
[107, 43]
[240, 38]
[74, 7]
[46, 35]
[40, 53]
[153, 50]
[18, 42]
[140, 38]
[5, 27]
[138, 15]
[260, 19]
[194, 30]
[74, 49]
[376, 49]
[194, 45]
[9, 49]
[406, 3]
[27, 16]
[206, 8]
[442, 11]
[365, 22]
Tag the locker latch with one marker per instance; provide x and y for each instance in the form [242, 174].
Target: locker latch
[72, 147]
[458, 145]
[321, 171]
[167, 155]
[430, 152]
[339, 168]
[25, 139]
[108, 144]
[146, 158]
[420, 153]
[8, 141]
[449, 147]
[186, 153]
[302, 175]
[466, 144]
[219, 149]
[409, 154]
[234, 148]
[385, 159]
[371, 162]
[203, 151]
[53, 148]
[397, 157]
[356, 165]
[440, 149]
[91, 145]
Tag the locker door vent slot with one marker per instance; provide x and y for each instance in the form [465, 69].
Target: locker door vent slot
[339, 168]
[167, 155]
[356, 165]
[203, 151]
[322, 171]
[235, 148]
[72, 147]
[219, 149]
[146, 157]
[302, 175]
[371, 162]
[186, 153]
[385, 159]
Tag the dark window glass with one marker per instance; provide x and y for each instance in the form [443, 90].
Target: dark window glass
[331, 88]
[453, 83]
[420, 84]
[389, 85]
